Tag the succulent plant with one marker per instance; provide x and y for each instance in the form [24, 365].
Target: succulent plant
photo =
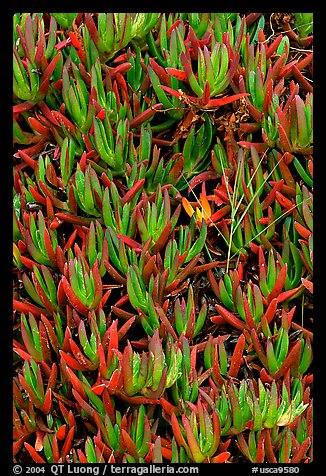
[162, 238]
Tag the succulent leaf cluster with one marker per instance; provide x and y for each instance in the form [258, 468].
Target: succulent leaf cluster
[162, 238]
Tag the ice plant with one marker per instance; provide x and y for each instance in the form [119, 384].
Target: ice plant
[82, 285]
[41, 242]
[154, 220]
[186, 321]
[150, 373]
[199, 434]
[163, 238]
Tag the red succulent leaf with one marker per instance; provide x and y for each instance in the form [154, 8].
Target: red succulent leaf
[26, 158]
[117, 336]
[137, 400]
[17, 445]
[279, 284]
[177, 431]
[269, 449]
[258, 348]
[105, 450]
[73, 299]
[221, 458]
[121, 68]
[61, 432]
[24, 355]
[88, 409]
[230, 318]
[302, 80]
[166, 323]
[300, 453]
[161, 241]
[289, 361]
[186, 271]
[38, 127]
[167, 406]
[98, 287]
[226, 100]
[260, 453]
[203, 177]
[115, 382]
[77, 45]
[192, 441]
[47, 402]
[174, 93]
[46, 351]
[34, 454]
[86, 363]
[114, 274]
[62, 120]
[67, 444]
[273, 46]
[50, 68]
[236, 358]
[177, 73]
[249, 318]
[132, 192]
[145, 116]
[51, 334]
[308, 285]
[22, 107]
[130, 242]
[288, 294]
[303, 231]
[205, 267]
[73, 363]
[130, 444]
[206, 94]
[172, 27]
[27, 307]
[76, 383]
[271, 310]
[283, 138]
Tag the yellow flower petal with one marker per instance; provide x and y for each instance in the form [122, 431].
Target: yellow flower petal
[199, 215]
[206, 208]
[187, 207]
